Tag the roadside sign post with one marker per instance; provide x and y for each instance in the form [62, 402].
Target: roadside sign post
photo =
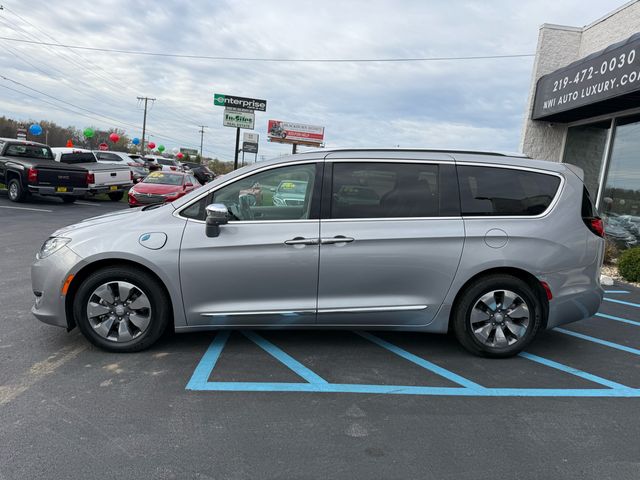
[239, 112]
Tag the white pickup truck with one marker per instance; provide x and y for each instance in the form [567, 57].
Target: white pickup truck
[113, 180]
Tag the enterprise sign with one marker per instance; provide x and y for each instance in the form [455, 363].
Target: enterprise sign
[592, 85]
[251, 104]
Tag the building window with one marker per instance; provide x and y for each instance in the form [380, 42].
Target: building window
[620, 203]
[585, 147]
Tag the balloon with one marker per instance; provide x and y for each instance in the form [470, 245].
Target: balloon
[35, 129]
[151, 145]
[114, 137]
[175, 150]
[180, 155]
[88, 132]
[161, 148]
[69, 144]
[135, 141]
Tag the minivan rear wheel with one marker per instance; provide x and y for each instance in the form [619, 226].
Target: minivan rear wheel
[121, 309]
[497, 316]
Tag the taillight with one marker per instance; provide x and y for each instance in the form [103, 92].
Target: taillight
[91, 178]
[133, 164]
[595, 224]
[173, 168]
[32, 175]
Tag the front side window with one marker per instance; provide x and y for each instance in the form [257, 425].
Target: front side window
[260, 196]
[499, 191]
[384, 190]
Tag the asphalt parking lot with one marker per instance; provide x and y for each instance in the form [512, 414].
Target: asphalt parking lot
[324, 404]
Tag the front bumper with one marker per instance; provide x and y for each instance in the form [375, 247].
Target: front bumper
[47, 279]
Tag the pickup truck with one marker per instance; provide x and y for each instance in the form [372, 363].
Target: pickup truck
[113, 180]
[29, 167]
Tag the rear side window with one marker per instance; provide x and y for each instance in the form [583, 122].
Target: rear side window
[78, 157]
[503, 191]
[385, 190]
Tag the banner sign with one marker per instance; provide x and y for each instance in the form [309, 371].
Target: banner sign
[192, 152]
[239, 119]
[602, 76]
[251, 104]
[288, 132]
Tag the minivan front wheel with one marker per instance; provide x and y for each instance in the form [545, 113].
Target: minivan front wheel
[121, 309]
[497, 316]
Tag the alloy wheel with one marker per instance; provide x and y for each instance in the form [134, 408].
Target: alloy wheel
[119, 311]
[499, 318]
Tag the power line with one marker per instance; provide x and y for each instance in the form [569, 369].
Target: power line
[257, 59]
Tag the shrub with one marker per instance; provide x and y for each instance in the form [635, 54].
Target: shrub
[611, 253]
[629, 265]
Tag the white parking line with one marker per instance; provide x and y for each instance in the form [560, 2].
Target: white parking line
[88, 204]
[25, 208]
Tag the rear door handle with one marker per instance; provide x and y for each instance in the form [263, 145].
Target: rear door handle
[336, 239]
[302, 241]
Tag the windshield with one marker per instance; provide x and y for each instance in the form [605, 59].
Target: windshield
[289, 186]
[166, 161]
[164, 178]
[31, 151]
[77, 157]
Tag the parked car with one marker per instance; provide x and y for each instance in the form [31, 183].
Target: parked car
[138, 169]
[202, 173]
[290, 192]
[160, 187]
[29, 167]
[110, 179]
[166, 164]
[494, 248]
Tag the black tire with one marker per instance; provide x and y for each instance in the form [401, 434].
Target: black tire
[68, 199]
[151, 287]
[116, 196]
[461, 316]
[16, 192]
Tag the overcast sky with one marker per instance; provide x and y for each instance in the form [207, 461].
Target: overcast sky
[456, 104]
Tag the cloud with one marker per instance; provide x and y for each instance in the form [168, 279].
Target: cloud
[465, 104]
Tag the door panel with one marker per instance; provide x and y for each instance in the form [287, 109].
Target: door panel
[401, 268]
[248, 275]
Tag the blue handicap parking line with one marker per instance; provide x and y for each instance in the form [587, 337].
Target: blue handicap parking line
[617, 319]
[622, 302]
[315, 384]
[616, 291]
[599, 341]
[443, 372]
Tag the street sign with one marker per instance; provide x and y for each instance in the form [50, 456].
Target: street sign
[192, 152]
[239, 119]
[249, 147]
[103, 147]
[221, 100]
[250, 137]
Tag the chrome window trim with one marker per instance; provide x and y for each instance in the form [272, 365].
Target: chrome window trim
[176, 213]
[386, 219]
[549, 209]
[392, 160]
[258, 312]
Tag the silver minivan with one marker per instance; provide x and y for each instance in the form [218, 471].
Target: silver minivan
[491, 247]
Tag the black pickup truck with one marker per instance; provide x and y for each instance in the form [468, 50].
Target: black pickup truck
[29, 167]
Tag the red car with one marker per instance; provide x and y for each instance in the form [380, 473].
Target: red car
[160, 187]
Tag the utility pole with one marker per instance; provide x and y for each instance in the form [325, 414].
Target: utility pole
[235, 160]
[202, 127]
[144, 121]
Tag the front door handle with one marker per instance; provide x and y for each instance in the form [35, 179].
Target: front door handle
[336, 239]
[302, 241]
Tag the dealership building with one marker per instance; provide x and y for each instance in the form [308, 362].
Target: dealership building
[584, 106]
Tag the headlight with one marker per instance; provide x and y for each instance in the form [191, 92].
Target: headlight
[52, 245]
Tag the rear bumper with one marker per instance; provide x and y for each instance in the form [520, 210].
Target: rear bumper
[73, 192]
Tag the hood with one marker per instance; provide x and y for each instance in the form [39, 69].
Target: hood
[158, 188]
[124, 214]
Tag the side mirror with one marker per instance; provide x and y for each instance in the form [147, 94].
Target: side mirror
[217, 214]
